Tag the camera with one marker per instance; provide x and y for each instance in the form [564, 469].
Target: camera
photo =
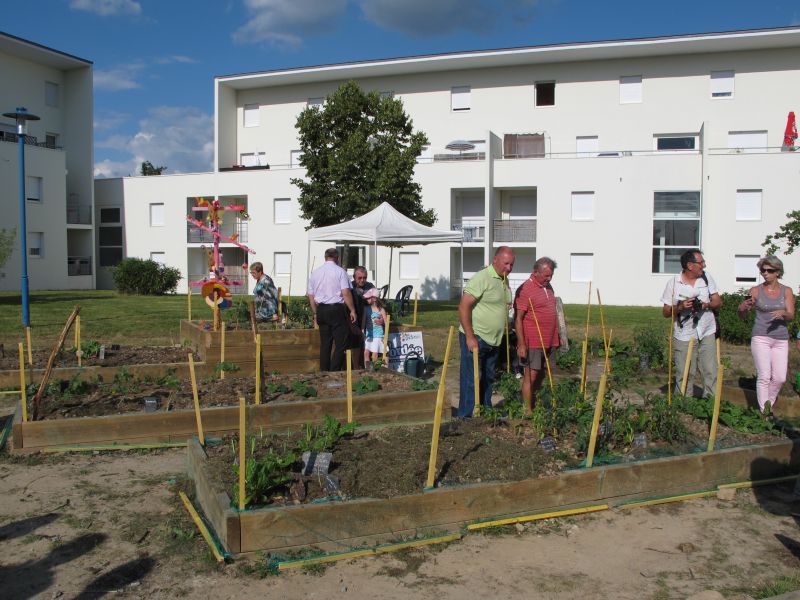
[697, 304]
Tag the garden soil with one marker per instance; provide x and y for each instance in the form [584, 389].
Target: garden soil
[114, 356]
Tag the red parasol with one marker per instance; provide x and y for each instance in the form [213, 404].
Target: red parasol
[790, 135]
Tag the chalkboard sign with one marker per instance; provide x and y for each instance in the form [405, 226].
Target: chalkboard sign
[316, 463]
[640, 440]
[548, 444]
[401, 345]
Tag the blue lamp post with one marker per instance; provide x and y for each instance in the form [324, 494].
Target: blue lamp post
[21, 116]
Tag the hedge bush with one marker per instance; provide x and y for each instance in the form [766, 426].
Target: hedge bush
[145, 277]
[736, 330]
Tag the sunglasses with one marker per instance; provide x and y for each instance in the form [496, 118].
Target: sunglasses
[769, 270]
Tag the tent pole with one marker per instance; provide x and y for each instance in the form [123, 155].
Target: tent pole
[376, 261]
[389, 289]
[308, 262]
[462, 264]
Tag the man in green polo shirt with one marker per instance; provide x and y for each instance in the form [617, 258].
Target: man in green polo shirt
[483, 313]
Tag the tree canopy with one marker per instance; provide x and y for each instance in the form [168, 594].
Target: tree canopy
[359, 150]
[149, 169]
[7, 237]
[789, 233]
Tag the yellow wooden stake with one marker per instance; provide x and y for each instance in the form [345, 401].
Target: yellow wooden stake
[608, 358]
[606, 343]
[258, 369]
[349, 354]
[189, 303]
[669, 352]
[201, 527]
[242, 453]
[598, 412]
[476, 383]
[386, 340]
[196, 398]
[222, 352]
[30, 351]
[437, 417]
[215, 311]
[712, 435]
[508, 339]
[416, 299]
[686, 367]
[78, 351]
[280, 296]
[719, 353]
[544, 350]
[22, 391]
[586, 341]
[537, 517]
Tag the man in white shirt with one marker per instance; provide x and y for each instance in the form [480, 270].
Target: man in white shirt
[689, 299]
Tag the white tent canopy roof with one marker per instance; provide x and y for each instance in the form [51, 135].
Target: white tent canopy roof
[383, 225]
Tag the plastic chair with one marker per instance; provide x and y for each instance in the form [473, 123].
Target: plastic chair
[383, 292]
[402, 300]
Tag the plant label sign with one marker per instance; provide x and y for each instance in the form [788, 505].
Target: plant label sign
[316, 463]
[403, 345]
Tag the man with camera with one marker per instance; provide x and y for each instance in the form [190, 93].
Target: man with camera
[690, 299]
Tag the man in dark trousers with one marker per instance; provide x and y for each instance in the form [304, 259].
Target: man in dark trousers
[331, 302]
[360, 285]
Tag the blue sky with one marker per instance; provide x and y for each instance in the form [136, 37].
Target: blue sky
[155, 60]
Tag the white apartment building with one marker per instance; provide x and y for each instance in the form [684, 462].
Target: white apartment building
[59, 164]
[610, 157]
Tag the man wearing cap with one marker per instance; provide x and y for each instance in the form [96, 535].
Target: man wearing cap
[331, 302]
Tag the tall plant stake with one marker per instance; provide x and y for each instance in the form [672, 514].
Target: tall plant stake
[544, 351]
[78, 351]
[222, 352]
[196, 399]
[606, 344]
[508, 340]
[30, 351]
[46, 376]
[598, 412]
[712, 435]
[476, 383]
[349, 354]
[585, 350]
[437, 417]
[686, 366]
[242, 453]
[23, 392]
[258, 368]
[416, 299]
[671, 335]
[386, 340]
[189, 303]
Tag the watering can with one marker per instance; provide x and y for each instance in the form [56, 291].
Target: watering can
[413, 365]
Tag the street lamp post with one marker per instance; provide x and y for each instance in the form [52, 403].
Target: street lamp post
[21, 116]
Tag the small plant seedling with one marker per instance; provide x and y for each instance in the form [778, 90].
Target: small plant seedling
[304, 389]
[366, 385]
[227, 367]
[276, 388]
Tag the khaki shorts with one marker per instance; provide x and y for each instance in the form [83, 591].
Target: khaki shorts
[536, 358]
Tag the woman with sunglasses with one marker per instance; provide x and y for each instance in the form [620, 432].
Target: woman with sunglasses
[769, 343]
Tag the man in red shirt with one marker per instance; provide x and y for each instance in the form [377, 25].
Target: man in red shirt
[531, 346]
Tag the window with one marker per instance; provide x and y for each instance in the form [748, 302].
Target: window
[721, 84]
[630, 89]
[744, 266]
[460, 98]
[747, 141]
[283, 211]
[581, 267]
[748, 205]
[587, 145]
[252, 117]
[523, 145]
[253, 159]
[35, 244]
[110, 215]
[283, 263]
[316, 102]
[583, 206]
[157, 215]
[110, 236]
[676, 228]
[676, 142]
[109, 242]
[51, 140]
[386, 94]
[51, 94]
[357, 255]
[409, 265]
[159, 257]
[294, 158]
[33, 188]
[426, 156]
[545, 93]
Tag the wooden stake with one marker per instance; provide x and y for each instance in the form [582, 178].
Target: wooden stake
[222, 352]
[23, 392]
[586, 341]
[608, 358]
[215, 310]
[508, 339]
[196, 398]
[189, 303]
[671, 335]
[280, 296]
[686, 367]
[253, 325]
[476, 382]
[30, 351]
[349, 354]
[258, 369]
[598, 412]
[416, 299]
[242, 452]
[46, 376]
[78, 351]
[386, 340]
[606, 344]
[290, 275]
[437, 417]
[712, 435]
[719, 353]
[544, 350]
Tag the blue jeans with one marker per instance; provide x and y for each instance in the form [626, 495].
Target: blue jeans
[487, 356]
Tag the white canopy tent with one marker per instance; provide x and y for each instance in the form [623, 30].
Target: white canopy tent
[384, 226]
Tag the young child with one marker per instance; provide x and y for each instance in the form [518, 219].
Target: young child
[374, 333]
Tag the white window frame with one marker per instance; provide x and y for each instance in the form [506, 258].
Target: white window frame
[536, 85]
[748, 205]
[631, 89]
[159, 256]
[316, 102]
[154, 214]
[676, 216]
[294, 159]
[748, 141]
[665, 136]
[251, 115]
[581, 267]
[52, 94]
[721, 84]
[253, 159]
[587, 145]
[460, 98]
[386, 94]
[582, 206]
[745, 269]
[408, 265]
[33, 188]
[282, 211]
[282, 264]
[50, 134]
[36, 242]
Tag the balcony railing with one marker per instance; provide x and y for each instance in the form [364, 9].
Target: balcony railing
[79, 265]
[510, 230]
[8, 136]
[474, 231]
[233, 273]
[195, 235]
[79, 215]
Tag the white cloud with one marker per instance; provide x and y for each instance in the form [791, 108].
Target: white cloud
[178, 137]
[107, 8]
[109, 119]
[285, 22]
[120, 77]
[175, 58]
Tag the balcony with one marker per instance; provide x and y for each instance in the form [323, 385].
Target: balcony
[79, 265]
[514, 230]
[195, 235]
[474, 230]
[78, 214]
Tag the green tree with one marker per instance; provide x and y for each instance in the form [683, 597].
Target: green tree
[7, 237]
[788, 233]
[359, 150]
[149, 169]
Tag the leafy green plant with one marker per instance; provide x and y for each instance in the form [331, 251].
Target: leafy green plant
[145, 277]
[419, 385]
[299, 314]
[276, 388]
[571, 358]
[366, 385]
[732, 328]
[745, 420]
[651, 341]
[378, 364]
[304, 389]
[227, 367]
[263, 475]
[509, 387]
[324, 438]
[124, 382]
[170, 379]
[76, 387]
[90, 348]
[663, 420]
